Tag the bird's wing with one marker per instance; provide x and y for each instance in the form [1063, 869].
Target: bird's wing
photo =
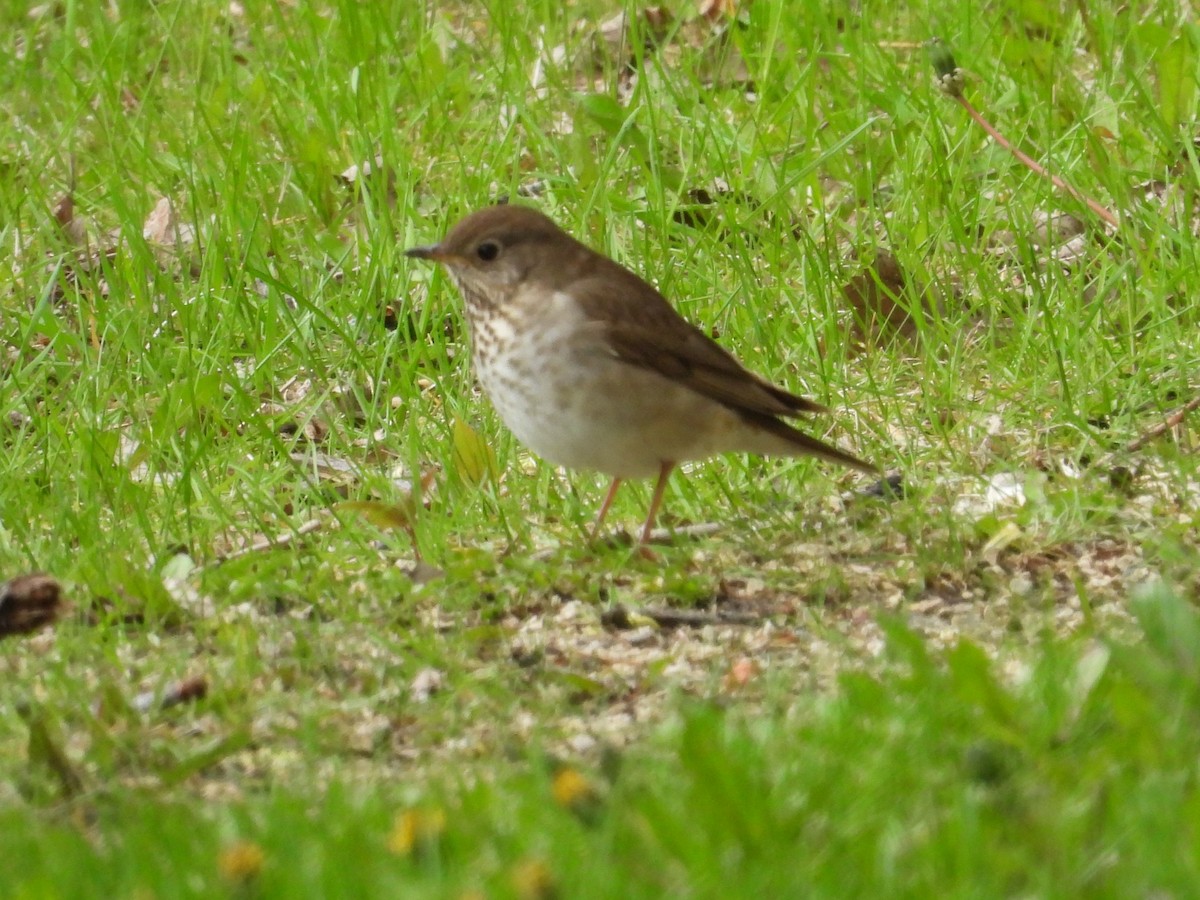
[642, 329]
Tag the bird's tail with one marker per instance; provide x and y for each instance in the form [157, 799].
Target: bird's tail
[793, 442]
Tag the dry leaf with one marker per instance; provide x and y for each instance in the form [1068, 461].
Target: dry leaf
[614, 34]
[1002, 490]
[1055, 228]
[401, 515]
[715, 10]
[177, 581]
[741, 673]
[370, 174]
[190, 689]
[29, 602]
[162, 225]
[64, 215]
[169, 238]
[873, 296]
[64, 210]
[426, 683]
[47, 10]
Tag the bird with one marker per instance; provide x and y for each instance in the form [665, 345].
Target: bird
[591, 368]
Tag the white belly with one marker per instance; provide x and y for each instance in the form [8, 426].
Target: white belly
[566, 397]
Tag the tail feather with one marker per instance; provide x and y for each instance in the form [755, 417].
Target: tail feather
[801, 444]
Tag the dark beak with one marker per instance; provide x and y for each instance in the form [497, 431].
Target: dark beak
[433, 251]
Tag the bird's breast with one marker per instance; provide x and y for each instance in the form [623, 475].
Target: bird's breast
[560, 388]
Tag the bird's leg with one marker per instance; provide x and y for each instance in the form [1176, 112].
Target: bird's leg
[608, 499]
[656, 501]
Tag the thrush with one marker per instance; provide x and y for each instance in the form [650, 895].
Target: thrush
[591, 368]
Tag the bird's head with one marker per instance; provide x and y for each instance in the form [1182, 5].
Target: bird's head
[493, 252]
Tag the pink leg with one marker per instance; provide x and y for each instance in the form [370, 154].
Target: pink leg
[608, 499]
[656, 500]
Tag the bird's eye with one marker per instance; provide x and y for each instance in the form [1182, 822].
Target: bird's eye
[487, 251]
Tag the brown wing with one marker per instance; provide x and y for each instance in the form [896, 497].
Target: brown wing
[644, 330]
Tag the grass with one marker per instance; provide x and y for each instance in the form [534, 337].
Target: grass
[934, 776]
[1007, 727]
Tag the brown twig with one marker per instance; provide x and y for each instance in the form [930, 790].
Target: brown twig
[274, 542]
[950, 79]
[1164, 426]
[1171, 421]
[1033, 165]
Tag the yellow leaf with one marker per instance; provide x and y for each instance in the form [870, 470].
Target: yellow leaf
[473, 458]
[387, 516]
[571, 787]
[416, 830]
[532, 880]
[241, 862]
